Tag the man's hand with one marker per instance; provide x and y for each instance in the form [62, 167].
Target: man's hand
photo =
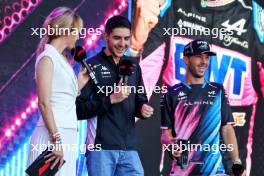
[83, 78]
[146, 17]
[146, 111]
[121, 93]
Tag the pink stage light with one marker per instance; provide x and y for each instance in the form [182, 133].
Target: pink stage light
[28, 110]
[23, 115]
[123, 3]
[89, 42]
[102, 27]
[8, 133]
[20, 11]
[13, 127]
[33, 104]
[18, 122]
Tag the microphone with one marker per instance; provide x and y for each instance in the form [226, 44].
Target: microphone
[183, 161]
[79, 55]
[237, 169]
[126, 68]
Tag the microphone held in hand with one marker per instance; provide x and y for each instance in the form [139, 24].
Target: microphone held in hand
[79, 55]
[183, 161]
[126, 68]
[238, 169]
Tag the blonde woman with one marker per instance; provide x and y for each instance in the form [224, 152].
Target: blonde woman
[57, 89]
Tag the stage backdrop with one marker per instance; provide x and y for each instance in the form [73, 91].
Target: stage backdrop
[18, 112]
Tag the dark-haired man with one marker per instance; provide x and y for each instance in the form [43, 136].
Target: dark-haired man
[197, 110]
[115, 131]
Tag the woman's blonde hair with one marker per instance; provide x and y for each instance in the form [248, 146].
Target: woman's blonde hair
[59, 18]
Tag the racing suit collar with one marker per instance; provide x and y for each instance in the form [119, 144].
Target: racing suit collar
[189, 86]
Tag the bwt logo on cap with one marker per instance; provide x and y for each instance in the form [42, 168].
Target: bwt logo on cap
[197, 47]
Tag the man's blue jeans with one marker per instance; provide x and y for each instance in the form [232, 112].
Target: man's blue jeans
[114, 163]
